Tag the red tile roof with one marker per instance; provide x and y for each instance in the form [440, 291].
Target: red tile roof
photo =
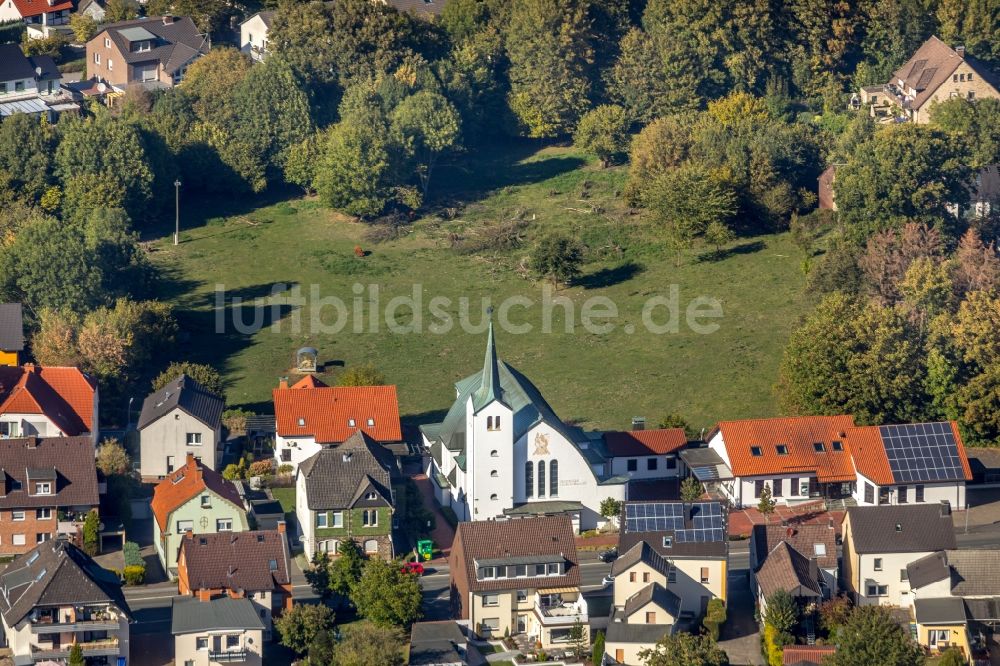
[645, 442]
[870, 459]
[64, 395]
[798, 434]
[308, 381]
[326, 412]
[187, 482]
[800, 655]
[28, 8]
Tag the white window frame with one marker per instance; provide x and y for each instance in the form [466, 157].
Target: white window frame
[223, 524]
[185, 525]
[321, 520]
[199, 640]
[338, 519]
[491, 600]
[44, 513]
[18, 540]
[17, 516]
[193, 438]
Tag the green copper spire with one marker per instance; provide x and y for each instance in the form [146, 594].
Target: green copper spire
[489, 389]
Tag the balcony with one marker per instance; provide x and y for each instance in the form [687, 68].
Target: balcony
[49, 627]
[228, 656]
[103, 648]
[566, 612]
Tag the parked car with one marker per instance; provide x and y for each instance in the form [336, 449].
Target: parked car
[609, 555]
[607, 580]
[415, 568]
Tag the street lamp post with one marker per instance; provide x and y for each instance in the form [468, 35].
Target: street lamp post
[177, 212]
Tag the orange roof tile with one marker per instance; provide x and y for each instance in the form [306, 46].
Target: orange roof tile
[870, 458]
[645, 442]
[64, 395]
[28, 8]
[308, 381]
[326, 413]
[799, 434]
[801, 655]
[187, 482]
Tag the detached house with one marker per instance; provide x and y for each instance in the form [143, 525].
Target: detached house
[181, 418]
[152, 52]
[223, 630]
[195, 499]
[253, 35]
[935, 73]
[43, 17]
[345, 492]
[798, 559]
[56, 596]
[518, 576]
[47, 402]
[39, 479]
[310, 415]
[254, 565]
[645, 454]
[881, 542]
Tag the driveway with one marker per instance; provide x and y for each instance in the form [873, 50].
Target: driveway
[443, 533]
[740, 636]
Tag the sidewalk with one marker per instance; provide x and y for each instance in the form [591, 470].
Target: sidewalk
[443, 533]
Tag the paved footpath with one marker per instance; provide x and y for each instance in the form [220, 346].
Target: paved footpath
[443, 533]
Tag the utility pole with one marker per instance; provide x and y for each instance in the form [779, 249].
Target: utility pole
[177, 212]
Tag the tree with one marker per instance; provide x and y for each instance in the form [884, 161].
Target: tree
[76, 656]
[299, 626]
[321, 648]
[365, 374]
[611, 508]
[205, 375]
[686, 200]
[345, 570]
[549, 44]
[872, 636]
[210, 81]
[977, 267]
[691, 489]
[674, 420]
[952, 657]
[91, 533]
[84, 27]
[597, 653]
[368, 644]
[603, 132]
[889, 254]
[112, 458]
[715, 617]
[834, 613]
[54, 343]
[386, 596]
[718, 234]
[26, 145]
[781, 612]
[557, 258]
[767, 503]
[578, 642]
[427, 125]
[684, 648]
[121, 10]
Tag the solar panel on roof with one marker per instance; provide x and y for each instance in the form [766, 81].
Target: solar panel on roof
[706, 520]
[922, 452]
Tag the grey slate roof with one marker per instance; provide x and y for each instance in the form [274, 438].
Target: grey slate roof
[928, 569]
[177, 42]
[337, 476]
[922, 528]
[640, 552]
[11, 321]
[50, 71]
[803, 538]
[787, 569]
[972, 572]
[944, 610]
[191, 615]
[656, 593]
[56, 573]
[14, 64]
[620, 631]
[439, 643]
[186, 394]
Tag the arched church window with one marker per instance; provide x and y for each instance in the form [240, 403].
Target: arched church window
[541, 478]
[529, 479]
[553, 478]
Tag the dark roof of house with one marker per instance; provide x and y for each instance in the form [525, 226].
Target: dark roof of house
[236, 560]
[189, 396]
[942, 610]
[14, 64]
[188, 482]
[267, 16]
[655, 593]
[425, 8]
[621, 631]
[45, 70]
[983, 609]
[177, 41]
[803, 538]
[439, 643]
[69, 461]
[678, 549]
[921, 528]
[190, 614]
[11, 321]
[982, 459]
[640, 552]
[519, 537]
[928, 569]
[971, 572]
[931, 66]
[56, 573]
[787, 569]
[338, 476]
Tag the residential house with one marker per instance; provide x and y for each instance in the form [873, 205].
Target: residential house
[985, 197]
[253, 34]
[55, 596]
[223, 630]
[32, 86]
[194, 498]
[881, 542]
[426, 9]
[11, 324]
[310, 415]
[806, 655]
[645, 454]
[43, 17]
[254, 564]
[95, 9]
[345, 492]
[41, 478]
[151, 52]
[692, 537]
[520, 577]
[47, 402]
[935, 73]
[442, 643]
[502, 450]
[799, 559]
[644, 606]
[182, 417]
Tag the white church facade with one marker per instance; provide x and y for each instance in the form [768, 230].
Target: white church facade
[501, 451]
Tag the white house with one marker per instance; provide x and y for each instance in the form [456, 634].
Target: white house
[182, 417]
[501, 451]
[253, 35]
[880, 542]
[47, 402]
[646, 454]
[41, 16]
[310, 415]
[30, 85]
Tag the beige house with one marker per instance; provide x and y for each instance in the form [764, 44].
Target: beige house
[519, 576]
[153, 52]
[935, 73]
[179, 419]
[217, 631]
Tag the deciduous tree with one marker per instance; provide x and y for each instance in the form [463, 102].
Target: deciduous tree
[557, 258]
[603, 132]
[204, 374]
[299, 626]
[872, 636]
[386, 596]
[684, 648]
[365, 374]
[368, 644]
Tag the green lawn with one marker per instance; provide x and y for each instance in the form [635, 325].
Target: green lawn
[286, 498]
[596, 380]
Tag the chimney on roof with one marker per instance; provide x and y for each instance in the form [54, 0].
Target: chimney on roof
[189, 534]
[29, 367]
[638, 423]
[281, 526]
[168, 20]
[790, 532]
[204, 594]
[33, 442]
[283, 382]
[960, 50]
[830, 523]
[945, 508]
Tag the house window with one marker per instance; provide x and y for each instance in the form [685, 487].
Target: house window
[189, 662]
[17, 515]
[935, 636]
[111, 64]
[972, 94]
[302, 422]
[43, 514]
[529, 479]
[494, 497]
[645, 576]
[794, 487]
[170, 464]
[804, 487]
[286, 455]
[184, 525]
[522, 595]
[194, 439]
[869, 493]
[350, 423]
[329, 546]
[42, 537]
[819, 549]
[878, 590]
[206, 501]
[672, 575]
[781, 449]
[668, 542]
[776, 487]
[541, 478]
[371, 497]
[631, 577]
[632, 464]
[491, 600]
[904, 576]
[819, 447]
[371, 546]
[494, 454]
[837, 445]
[18, 540]
[539, 569]
[704, 574]
[919, 494]
[901, 493]
[321, 520]
[968, 77]
[671, 462]
[758, 488]
[43, 488]
[224, 525]
[954, 78]
[494, 474]
[878, 564]
[652, 464]
[232, 641]
[369, 518]
[97, 58]
[553, 478]
[554, 569]
[520, 571]
[755, 451]
[202, 643]
[371, 423]
[107, 43]
[338, 519]
[961, 77]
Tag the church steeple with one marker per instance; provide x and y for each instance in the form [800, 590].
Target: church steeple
[489, 390]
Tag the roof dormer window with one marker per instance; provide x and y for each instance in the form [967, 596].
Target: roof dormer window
[781, 449]
[350, 423]
[819, 447]
[837, 445]
[302, 422]
[371, 423]
[755, 451]
[142, 47]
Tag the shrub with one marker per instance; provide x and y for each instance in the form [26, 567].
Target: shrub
[715, 617]
[91, 533]
[134, 575]
[133, 557]
[285, 469]
[235, 420]
[261, 467]
[233, 471]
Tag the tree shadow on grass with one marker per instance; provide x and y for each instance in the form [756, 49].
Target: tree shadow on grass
[608, 277]
[742, 248]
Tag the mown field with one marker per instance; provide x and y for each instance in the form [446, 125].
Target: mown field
[598, 380]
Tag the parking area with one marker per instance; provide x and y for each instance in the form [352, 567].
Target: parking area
[983, 511]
